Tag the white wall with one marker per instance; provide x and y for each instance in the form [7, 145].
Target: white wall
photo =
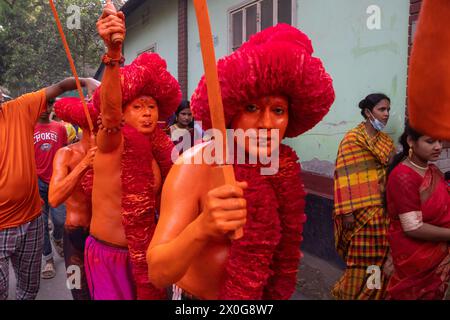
[160, 27]
[361, 61]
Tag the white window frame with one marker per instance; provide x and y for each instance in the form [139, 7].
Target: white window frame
[249, 3]
[150, 48]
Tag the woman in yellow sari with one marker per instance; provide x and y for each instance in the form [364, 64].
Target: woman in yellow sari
[359, 217]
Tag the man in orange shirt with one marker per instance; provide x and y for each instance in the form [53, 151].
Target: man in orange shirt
[21, 223]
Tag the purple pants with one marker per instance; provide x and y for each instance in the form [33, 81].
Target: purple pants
[108, 271]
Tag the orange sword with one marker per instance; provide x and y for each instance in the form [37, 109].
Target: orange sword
[72, 65]
[213, 88]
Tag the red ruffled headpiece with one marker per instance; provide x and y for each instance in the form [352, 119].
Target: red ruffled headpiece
[147, 75]
[71, 110]
[274, 61]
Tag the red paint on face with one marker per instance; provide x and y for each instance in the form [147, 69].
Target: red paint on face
[142, 114]
[268, 112]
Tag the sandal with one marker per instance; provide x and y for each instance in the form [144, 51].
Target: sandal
[50, 226]
[49, 271]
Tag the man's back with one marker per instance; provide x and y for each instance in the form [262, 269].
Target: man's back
[78, 204]
[19, 195]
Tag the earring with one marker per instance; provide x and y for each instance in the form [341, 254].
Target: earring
[410, 153]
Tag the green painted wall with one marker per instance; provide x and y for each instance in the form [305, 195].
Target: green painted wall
[361, 61]
[154, 22]
[218, 12]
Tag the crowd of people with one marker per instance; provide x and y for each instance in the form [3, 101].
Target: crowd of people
[108, 197]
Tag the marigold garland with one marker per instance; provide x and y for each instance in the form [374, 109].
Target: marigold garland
[263, 264]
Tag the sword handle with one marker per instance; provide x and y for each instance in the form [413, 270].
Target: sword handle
[116, 38]
[226, 176]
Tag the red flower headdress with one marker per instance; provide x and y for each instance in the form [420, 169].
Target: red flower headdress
[147, 75]
[71, 110]
[277, 60]
[263, 264]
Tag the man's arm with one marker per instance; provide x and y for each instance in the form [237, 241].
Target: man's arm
[63, 182]
[182, 231]
[69, 84]
[111, 90]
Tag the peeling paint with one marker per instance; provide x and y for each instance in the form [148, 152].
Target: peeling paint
[360, 51]
[394, 87]
[322, 167]
[338, 124]
[325, 134]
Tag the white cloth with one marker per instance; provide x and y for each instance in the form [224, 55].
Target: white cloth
[411, 220]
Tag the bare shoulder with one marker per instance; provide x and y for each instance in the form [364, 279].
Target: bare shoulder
[194, 159]
[190, 171]
[74, 151]
[64, 152]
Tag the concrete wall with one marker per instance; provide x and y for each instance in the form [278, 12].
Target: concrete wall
[218, 11]
[361, 61]
[444, 160]
[318, 232]
[154, 22]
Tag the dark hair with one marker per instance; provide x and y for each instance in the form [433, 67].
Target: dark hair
[447, 176]
[185, 104]
[371, 101]
[409, 132]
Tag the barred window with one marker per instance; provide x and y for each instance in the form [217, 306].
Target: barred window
[254, 16]
[150, 49]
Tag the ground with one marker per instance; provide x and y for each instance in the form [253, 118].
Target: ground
[314, 282]
[51, 289]
[316, 276]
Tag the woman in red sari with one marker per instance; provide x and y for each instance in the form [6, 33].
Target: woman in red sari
[419, 208]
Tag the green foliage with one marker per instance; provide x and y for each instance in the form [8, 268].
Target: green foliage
[31, 52]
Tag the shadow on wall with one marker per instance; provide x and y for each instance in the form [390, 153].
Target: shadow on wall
[318, 232]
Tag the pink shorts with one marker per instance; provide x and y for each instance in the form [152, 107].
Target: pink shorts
[108, 271]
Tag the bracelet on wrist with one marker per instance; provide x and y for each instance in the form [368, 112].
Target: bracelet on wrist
[107, 60]
[102, 127]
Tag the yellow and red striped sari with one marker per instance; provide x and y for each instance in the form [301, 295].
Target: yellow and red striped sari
[359, 183]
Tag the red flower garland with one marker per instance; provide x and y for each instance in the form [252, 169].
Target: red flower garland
[162, 151]
[263, 263]
[138, 199]
[291, 201]
[138, 208]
